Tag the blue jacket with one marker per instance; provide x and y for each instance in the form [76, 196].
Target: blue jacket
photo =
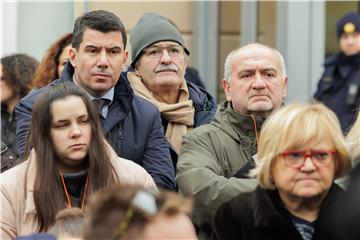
[132, 126]
[204, 103]
[339, 87]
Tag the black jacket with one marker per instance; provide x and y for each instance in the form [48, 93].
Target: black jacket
[8, 130]
[260, 215]
[339, 87]
[347, 211]
[132, 126]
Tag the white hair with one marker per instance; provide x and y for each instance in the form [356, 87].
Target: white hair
[236, 52]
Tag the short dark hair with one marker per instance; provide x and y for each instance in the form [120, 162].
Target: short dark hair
[99, 20]
[18, 70]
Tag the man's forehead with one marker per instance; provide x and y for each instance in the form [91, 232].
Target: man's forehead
[256, 62]
[257, 52]
[355, 34]
[100, 39]
[164, 44]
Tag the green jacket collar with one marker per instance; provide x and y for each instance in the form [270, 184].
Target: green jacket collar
[236, 124]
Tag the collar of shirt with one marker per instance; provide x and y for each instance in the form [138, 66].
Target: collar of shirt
[108, 95]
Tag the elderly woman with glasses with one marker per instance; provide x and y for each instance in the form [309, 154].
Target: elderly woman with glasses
[301, 152]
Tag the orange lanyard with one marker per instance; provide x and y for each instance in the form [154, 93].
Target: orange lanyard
[67, 194]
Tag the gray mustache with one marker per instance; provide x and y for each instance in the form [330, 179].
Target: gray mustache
[163, 67]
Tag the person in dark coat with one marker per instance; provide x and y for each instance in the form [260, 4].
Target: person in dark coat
[339, 86]
[159, 60]
[192, 75]
[16, 73]
[353, 140]
[131, 124]
[348, 210]
[301, 152]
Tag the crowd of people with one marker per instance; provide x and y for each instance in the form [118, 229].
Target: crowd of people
[95, 149]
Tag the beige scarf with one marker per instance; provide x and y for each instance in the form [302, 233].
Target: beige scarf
[179, 115]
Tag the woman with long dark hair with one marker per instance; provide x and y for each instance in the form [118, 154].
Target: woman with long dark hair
[68, 159]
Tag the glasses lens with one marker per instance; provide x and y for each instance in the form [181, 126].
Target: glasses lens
[297, 158]
[153, 52]
[156, 52]
[321, 158]
[294, 158]
[175, 51]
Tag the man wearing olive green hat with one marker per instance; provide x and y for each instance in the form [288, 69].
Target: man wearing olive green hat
[159, 58]
[339, 86]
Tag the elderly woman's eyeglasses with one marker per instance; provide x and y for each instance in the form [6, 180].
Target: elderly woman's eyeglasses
[296, 159]
[156, 52]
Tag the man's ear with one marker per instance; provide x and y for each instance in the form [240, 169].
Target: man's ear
[136, 68]
[285, 84]
[186, 61]
[126, 57]
[226, 86]
[72, 56]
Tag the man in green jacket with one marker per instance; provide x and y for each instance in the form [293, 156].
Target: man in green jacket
[215, 158]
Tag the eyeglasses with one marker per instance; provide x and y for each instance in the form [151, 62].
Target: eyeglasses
[156, 52]
[296, 159]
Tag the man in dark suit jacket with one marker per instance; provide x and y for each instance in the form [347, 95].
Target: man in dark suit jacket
[131, 124]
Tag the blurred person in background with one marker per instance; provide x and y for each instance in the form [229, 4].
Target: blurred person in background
[130, 212]
[68, 159]
[348, 210]
[69, 224]
[8, 158]
[301, 152]
[53, 62]
[353, 139]
[16, 72]
[339, 86]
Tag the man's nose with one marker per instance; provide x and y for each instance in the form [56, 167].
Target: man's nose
[103, 59]
[259, 82]
[165, 57]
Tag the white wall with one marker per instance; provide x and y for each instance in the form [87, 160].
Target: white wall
[31, 27]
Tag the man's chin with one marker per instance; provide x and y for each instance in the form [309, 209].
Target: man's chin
[169, 80]
[260, 106]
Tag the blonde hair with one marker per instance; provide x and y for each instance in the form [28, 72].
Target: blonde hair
[292, 127]
[353, 138]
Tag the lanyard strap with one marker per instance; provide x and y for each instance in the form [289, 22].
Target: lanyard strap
[67, 194]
